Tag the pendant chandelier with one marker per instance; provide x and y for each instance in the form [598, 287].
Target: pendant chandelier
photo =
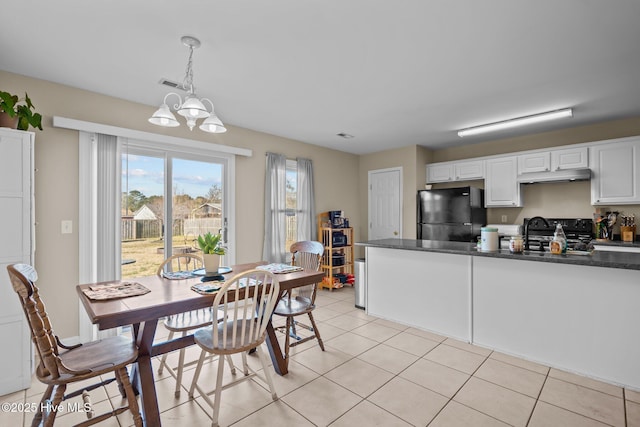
[192, 108]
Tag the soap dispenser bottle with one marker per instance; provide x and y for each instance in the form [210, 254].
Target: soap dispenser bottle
[559, 243]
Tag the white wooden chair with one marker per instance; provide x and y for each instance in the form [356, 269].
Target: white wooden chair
[247, 302]
[306, 254]
[183, 323]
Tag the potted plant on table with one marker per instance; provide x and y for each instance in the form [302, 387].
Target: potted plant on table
[18, 113]
[210, 244]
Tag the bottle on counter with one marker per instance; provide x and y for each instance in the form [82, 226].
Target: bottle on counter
[559, 243]
[516, 244]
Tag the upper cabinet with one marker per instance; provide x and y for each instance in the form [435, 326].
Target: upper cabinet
[500, 186]
[440, 172]
[615, 177]
[472, 169]
[534, 162]
[455, 171]
[570, 158]
[553, 160]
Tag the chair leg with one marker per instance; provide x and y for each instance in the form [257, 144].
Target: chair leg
[287, 339]
[37, 419]
[121, 389]
[231, 365]
[197, 373]
[293, 332]
[58, 395]
[176, 393]
[267, 373]
[245, 365]
[163, 361]
[315, 331]
[218, 393]
[131, 396]
[181, 354]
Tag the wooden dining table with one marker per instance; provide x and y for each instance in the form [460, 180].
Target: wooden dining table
[167, 297]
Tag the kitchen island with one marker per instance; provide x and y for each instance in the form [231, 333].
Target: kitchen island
[574, 312]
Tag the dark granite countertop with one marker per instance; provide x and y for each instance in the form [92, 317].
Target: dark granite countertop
[625, 260]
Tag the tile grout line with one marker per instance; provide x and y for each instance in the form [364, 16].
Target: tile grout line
[538, 398]
[461, 387]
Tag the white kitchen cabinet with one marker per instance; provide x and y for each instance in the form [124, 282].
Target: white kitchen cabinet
[501, 186]
[16, 246]
[534, 162]
[455, 171]
[440, 172]
[570, 158]
[467, 170]
[615, 176]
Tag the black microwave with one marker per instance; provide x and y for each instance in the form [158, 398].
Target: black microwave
[338, 239]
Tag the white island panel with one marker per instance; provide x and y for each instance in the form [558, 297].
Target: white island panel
[578, 318]
[427, 290]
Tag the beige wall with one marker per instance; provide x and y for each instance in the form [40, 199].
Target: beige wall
[412, 160]
[56, 182]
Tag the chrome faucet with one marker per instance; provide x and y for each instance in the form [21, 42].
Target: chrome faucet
[526, 232]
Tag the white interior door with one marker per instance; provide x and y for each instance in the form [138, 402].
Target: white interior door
[385, 203]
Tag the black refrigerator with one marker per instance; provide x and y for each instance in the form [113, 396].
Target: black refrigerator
[454, 214]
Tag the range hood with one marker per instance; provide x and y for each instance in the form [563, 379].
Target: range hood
[555, 176]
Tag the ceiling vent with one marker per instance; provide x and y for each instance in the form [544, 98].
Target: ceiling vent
[172, 84]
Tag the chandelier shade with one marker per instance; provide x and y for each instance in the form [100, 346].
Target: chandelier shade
[192, 108]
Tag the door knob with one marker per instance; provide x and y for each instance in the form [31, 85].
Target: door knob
[395, 233]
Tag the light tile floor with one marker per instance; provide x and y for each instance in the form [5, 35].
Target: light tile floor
[380, 373]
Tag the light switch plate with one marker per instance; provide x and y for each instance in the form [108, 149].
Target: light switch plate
[504, 219]
[66, 227]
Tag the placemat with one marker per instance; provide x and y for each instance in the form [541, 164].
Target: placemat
[278, 268]
[207, 288]
[116, 290]
[179, 275]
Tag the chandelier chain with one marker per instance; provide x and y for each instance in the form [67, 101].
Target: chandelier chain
[188, 77]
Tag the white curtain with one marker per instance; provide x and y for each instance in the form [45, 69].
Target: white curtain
[273, 249]
[306, 215]
[99, 217]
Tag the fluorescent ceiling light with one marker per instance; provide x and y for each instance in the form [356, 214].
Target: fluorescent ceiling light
[520, 121]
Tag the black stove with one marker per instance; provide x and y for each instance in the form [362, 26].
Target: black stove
[577, 230]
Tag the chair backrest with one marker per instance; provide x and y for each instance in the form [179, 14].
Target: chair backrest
[23, 277]
[247, 302]
[307, 254]
[180, 262]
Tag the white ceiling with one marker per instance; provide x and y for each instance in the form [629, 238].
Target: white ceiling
[391, 73]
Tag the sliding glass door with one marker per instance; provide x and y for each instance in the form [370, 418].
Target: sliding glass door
[154, 225]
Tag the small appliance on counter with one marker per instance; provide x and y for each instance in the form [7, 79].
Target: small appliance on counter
[451, 214]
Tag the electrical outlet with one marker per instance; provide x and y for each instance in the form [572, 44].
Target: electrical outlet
[504, 219]
[66, 227]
